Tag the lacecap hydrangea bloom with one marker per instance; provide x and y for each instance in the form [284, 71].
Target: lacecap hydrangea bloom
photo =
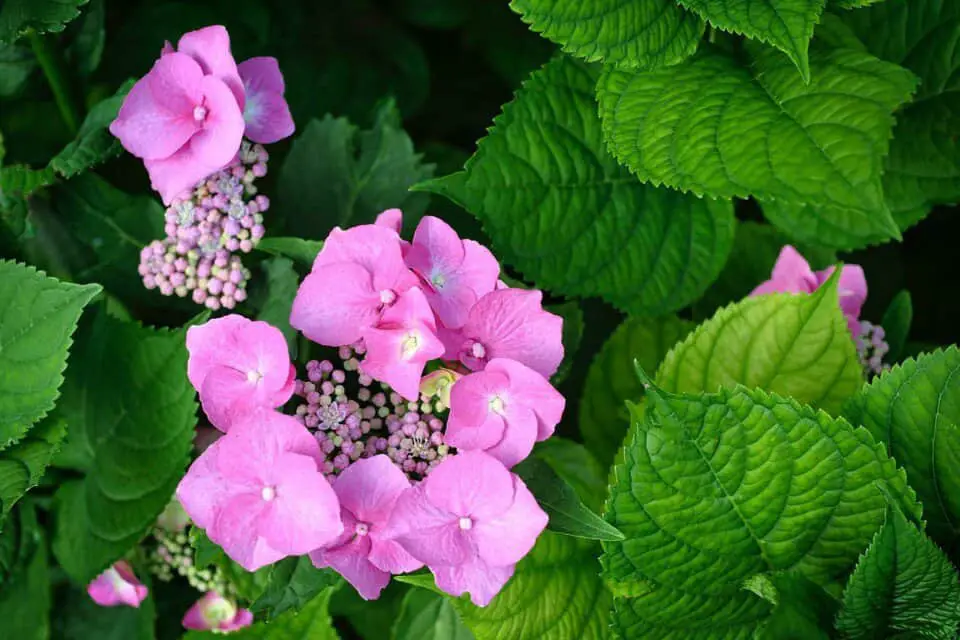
[399, 447]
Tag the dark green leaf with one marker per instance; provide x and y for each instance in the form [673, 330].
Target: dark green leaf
[310, 623]
[575, 464]
[425, 615]
[94, 142]
[572, 316]
[303, 251]
[16, 65]
[896, 324]
[282, 283]
[291, 584]
[86, 50]
[23, 464]
[80, 618]
[25, 597]
[17, 16]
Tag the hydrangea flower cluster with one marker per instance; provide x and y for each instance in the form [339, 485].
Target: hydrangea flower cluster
[399, 449]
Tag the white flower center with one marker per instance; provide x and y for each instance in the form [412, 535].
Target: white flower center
[410, 345]
[438, 280]
[478, 351]
[466, 524]
[199, 113]
[362, 529]
[254, 376]
[268, 493]
[387, 297]
[497, 405]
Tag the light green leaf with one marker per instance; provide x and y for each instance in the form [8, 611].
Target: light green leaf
[291, 584]
[914, 409]
[797, 345]
[642, 34]
[16, 16]
[550, 196]
[303, 251]
[282, 284]
[38, 314]
[713, 489]
[555, 594]
[131, 412]
[903, 587]
[94, 142]
[838, 228]
[20, 181]
[25, 594]
[896, 324]
[313, 622]
[425, 615]
[611, 381]
[23, 464]
[421, 579]
[716, 127]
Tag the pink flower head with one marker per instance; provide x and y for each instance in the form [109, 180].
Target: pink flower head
[456, 272]
[391, 219]
[470, 521]
[357, 275]
[213, 612]
[792, 274]
[238, 365]
[508, 323]
[503, 410]
[117, 586]
[259, 493]
[401, 344]
[266, 112]
[184, 118]
[368, 490]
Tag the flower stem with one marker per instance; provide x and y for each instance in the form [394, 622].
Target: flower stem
[51, 61]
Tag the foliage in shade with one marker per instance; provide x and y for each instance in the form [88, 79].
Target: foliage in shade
[23, 464]
[94, 143]
[25, 598]
[291, 584]
[313, 621]
[302, 251]
[425, 615]
[282, 282]
[17, 16]
[896, 322]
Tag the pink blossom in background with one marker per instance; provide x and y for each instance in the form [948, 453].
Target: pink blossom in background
[470, 521]
[213, 612]
[259, 493]
[391, 219]
[368, 491]
[210, 48]
[238, 365]
[117, 586]
[503, 410]
[792, 274]
[266, 112]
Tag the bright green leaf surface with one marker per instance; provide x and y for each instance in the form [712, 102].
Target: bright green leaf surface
[16, 16]
[303, 251]
[291, 584]
[425, 615]
[22, 464]
[312, 622]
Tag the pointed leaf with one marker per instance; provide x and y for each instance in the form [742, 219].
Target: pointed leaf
[291, 584]
[94, 142]
[16, 16]
[22, 465]
[896, 324]
[425, 615]
[303, 251]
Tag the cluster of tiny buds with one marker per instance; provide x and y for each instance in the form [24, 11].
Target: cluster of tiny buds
[173, 555]
[375, 420]
[205, 229]
[871, 348]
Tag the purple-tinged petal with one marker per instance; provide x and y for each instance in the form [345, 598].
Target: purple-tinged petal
[266, 112]
[210, 47]
[470, 484]
[370, 487]
[221, 131]
[482, 581]
[533, 391]
[175, 175]
[352, 563]
[428, 533]
[335, 303]
[390, 556]
[507, 538]
[117, 586]
[391, 219]
[476, 418]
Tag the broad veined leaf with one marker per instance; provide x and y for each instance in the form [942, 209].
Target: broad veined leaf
[131, 412]
[904, 586]
[38, 315]
[641, 34]
[22, 464]
[291, 584]
[713, 489]
[20, 181]
[17, 16]
[298, 249]
[560, 209]
[797, 345]
[578, 467]
[313, 622]
[914, 409]
[425, 615]
[715, 127]
[94, 142]
[611, 381]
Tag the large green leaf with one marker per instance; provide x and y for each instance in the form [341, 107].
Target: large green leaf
[797, 345]
[714, 489]
[716, 127]
[78, 617]
[298, 249]
[94, 142]
[22, 464]
[611, 381]
[37, 317]
[578, 467]
[914, 409]
[640, 34]
[313, 622]
[17, 16]
[291, 584]
[25, 594]
[425, 615]
[559, 208]
[131, 413]
[903, 587]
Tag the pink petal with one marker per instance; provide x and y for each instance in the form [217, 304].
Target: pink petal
[535, 392]
[193, 618]
[227, 395]
[392, 360]
[244, 618]
[852, 290]
[266, 112]
[203, 488]
[518, 438]
[257, 442]
[391, 219]
[335, 303]
[206, 344]
[430, 534]
[177, 174]
[482, 581]
[117, 586]
[389, 556]
[376, 248]
[351, 562]
[261, 75]
[791, 274]
[210, 47]
[369, 489]
[218, 140]
[472, 424]
[470, 484]
[507, 538]
[235, 530]
[436, 247]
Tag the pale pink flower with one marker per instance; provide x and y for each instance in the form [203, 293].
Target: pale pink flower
[792, 274]
[259, 492]
[266, 112]
[508, 323]
[456, 273]
[357, 275]
[213, 612]
[117, 586]
[368, 490]
[470, 521]
[210, 48]
[391, 219]
[401, 343]
[238, 365]
[503, 410]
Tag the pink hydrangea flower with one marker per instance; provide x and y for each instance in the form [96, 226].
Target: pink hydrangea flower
[238, 365]
[368, 490]
[266, 112]
[357, 275]
[401, 343]
[508, 323]
[259, 493]
[470, 521]
[210, 48]
[391, 219]
[792, 274]
[117, 586]
[456, 273]
[213, 612]
[503, 410]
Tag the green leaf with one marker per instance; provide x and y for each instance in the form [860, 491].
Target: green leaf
[425, 615]
[282, 284]
[313, 622]
[44, 16]
[423, 580]
[715, 127]
[303, 251]
[25, 595]
[86, 50]
[568, 515]
[548, 212]
[94, 142]
[337, 175]
[797, 345]
[577, 466]
[896, 324]
[291, 584]
[642, 34]
[131, 412]
[903, 587]
[23, 464]
[915, 409]
[572, 332]
[16, 65]
[554, 594]
[21, 181]
[715, 488]
[802, 610]
[611, 381]
[38, 314]
[80, 618]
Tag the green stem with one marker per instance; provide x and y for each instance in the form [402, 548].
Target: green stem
[51, 61]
